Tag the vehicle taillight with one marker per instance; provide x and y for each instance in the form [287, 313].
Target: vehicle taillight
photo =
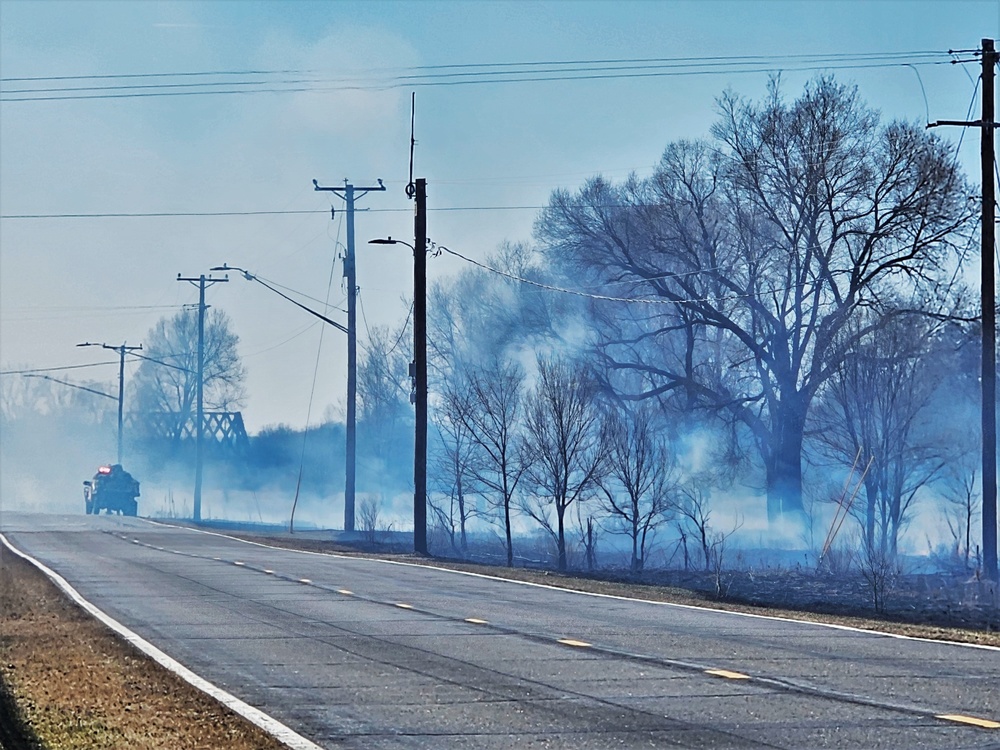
[104, 470]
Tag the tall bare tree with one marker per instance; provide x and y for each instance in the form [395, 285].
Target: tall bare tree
[167, 381]
[562, 436]
[754, 251]
[493, 420]
[638, 486]
[452, 458]
[875, 405]
[384, 389]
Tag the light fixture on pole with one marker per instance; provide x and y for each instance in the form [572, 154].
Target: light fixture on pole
[122, 351]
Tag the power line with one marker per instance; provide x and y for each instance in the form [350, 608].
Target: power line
[469, 73]
[607, 298]
[527, 73]
[55, 369]
[200, 214]
[457, 66]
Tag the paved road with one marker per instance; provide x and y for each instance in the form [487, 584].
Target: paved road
[357, 653]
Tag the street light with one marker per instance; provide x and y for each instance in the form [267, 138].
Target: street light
[419, 373]
[122, 351]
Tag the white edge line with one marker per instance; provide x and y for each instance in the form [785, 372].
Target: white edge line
[833, 626]
[255, 716]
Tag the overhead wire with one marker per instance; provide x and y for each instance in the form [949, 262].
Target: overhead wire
[475, 74]
[453, 66]
[608, 298]
[312, 390]
[57, 369]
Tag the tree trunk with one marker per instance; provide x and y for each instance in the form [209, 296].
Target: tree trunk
[506, 526]
[461, 514]
[561, 540]
[783, 464]
[635, 546]
[871, 493]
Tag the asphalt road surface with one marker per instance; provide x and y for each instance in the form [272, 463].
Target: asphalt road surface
[358, 653]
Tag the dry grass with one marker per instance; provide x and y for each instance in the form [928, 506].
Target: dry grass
[79, 686]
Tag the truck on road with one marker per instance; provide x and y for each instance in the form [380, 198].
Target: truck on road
[112, 489]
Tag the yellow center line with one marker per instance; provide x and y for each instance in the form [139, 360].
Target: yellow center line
[974, 721]
[345, 592]
[404, 606]
[727, 674]
[571, 642]
[475, 621]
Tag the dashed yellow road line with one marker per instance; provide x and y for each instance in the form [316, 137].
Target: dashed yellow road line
[727, 674]
[404, 606]
[345, 592]
[476, 621]
[571, 642]
[973, 720]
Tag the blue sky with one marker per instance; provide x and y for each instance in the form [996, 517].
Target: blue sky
[496, 146]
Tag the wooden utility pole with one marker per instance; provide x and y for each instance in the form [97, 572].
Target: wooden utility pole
[202, 282]
[349, 194]
[420, 367]
[988, 373]
[122, 351]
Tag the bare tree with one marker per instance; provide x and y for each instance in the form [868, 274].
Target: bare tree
[961, 492]
[493, 421]
[167, 380]
[451, 469]
[696, 515]
[752, 253]
[589, 535]
[369, 518]
[637, 485]
[875, 406]
[881, 571]
[384, 386]
[562, 437]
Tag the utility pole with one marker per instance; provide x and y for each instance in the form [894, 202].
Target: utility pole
[350, 193]
[989, 321]
[987, 126]
[122, 351]
[199, 430]
[420, 367]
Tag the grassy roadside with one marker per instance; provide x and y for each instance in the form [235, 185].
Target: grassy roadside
[77, 685]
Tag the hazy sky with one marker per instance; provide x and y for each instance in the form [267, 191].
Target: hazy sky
[491, 152]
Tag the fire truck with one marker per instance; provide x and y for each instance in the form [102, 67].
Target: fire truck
[112, 489]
